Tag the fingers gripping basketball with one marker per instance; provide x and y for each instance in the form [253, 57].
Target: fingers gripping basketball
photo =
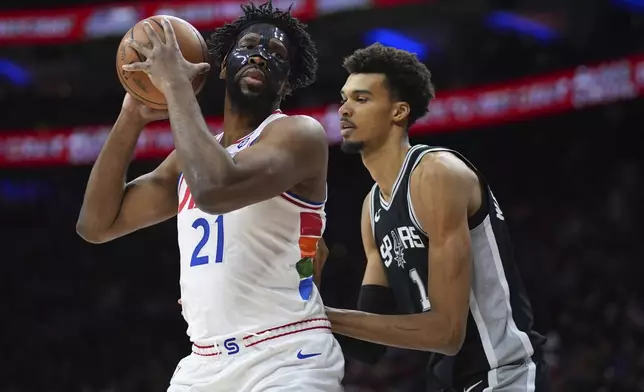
[193, 48]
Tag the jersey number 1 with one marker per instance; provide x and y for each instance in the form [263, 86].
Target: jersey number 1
[205, 225]
[424, 298]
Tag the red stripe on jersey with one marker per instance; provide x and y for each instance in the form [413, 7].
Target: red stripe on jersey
[192, 203]
[186, 196]
[311, 224]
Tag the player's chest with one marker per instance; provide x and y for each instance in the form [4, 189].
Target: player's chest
[400, 244]
[404, 254]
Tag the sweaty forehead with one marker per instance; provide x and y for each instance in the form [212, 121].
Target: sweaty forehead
[266, 32]
[359, 82]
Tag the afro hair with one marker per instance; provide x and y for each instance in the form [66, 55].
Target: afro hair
[303, 60]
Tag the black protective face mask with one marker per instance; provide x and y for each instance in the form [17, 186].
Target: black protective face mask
[276, 69]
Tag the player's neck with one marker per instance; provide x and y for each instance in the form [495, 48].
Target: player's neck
[384, 163]
[238, 124]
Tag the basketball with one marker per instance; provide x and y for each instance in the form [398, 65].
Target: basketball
[192, 45]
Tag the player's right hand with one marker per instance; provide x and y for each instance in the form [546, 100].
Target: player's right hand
[141, 112]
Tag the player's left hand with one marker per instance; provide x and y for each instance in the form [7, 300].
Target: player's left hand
[164, 62]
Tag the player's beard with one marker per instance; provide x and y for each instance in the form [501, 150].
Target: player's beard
[255, 104]
[352, 147]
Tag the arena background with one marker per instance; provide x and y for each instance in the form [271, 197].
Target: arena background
[542, 95]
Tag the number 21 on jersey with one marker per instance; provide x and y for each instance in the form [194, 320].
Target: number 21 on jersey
[212, 235]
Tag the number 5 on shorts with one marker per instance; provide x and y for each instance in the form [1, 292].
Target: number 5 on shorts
[219, 247]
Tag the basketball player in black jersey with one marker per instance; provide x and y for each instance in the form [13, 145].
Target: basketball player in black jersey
[440, 273]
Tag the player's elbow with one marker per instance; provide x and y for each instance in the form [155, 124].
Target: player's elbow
[446, 344]
[446, 340]
[453, 341]
[90, 235]
[211, 200]
[453, 346]
[214, 209]
[210, 208]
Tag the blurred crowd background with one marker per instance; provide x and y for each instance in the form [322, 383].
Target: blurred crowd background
[543, 96]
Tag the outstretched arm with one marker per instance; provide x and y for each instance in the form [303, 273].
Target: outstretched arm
[441, 189]
[375, 294]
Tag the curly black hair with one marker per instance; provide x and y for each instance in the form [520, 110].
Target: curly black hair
[407, 78]
[304, 59]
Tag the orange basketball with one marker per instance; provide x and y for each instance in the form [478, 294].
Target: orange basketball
[192, 45]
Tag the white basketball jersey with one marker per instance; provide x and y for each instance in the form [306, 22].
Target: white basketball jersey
[250, 269]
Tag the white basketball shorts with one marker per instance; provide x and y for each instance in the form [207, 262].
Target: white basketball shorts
[302, 357]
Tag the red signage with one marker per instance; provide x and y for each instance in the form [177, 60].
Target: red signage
[526, 98]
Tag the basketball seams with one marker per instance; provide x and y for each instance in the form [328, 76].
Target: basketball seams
[125, 84]
[139, 55]
[119, 71]
[161, 33]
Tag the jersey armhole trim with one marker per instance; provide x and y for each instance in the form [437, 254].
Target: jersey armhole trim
[301, 202]
[410, 205]
[372, 194]
[484, 210]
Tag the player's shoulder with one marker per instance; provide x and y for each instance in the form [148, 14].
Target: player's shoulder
[366, 203]
[296, 129]
[444, 167]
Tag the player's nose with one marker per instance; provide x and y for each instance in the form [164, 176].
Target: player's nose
[344, 110]
[258, 61]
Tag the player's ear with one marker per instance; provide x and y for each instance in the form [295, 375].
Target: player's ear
[400, 111]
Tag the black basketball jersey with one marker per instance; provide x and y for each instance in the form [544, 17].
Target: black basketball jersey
[500, 316]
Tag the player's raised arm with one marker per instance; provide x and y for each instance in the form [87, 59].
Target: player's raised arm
[290, 150]
[111, 208]
[441, 195]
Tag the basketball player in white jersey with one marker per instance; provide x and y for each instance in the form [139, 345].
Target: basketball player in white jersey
[249, 206]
